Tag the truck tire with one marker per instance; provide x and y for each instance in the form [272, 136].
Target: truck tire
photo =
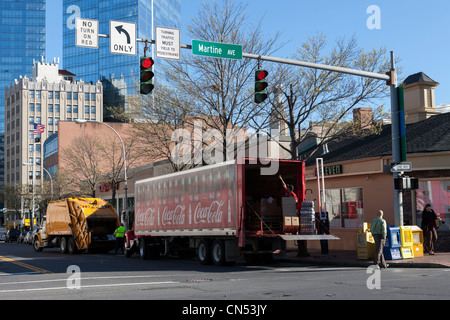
[127, 251]
[72, 247]
[204, 252]
[218, 252]
[63, 245]
[36, 245]
[143, 249]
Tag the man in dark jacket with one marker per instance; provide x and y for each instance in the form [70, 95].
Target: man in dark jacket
[428, 227]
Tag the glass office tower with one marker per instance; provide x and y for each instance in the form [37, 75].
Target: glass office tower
[22, 40]
[118, 73]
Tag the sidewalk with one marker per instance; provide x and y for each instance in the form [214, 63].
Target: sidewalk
[349, 259]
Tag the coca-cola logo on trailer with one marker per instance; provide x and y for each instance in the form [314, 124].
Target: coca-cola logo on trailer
[174, 217]
[145, 218]
[210, 214]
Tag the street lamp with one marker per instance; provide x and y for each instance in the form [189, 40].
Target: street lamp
[48, 173]
[81, 121]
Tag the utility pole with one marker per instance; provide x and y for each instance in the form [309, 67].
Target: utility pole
[396, 152]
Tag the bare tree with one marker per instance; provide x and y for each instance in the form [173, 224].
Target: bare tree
[82, 163]
[13, 197]
[216, 92]
[111, 151]
[322, 97]
[160, 116]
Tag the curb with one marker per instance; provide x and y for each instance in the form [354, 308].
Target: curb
[365, 264]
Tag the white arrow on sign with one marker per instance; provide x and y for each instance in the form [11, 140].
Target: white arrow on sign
[401, 167]
[122, 38]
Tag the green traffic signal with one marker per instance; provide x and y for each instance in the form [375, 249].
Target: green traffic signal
[146, 75]
[260, 85]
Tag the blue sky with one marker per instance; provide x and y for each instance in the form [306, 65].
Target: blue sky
[417, 31]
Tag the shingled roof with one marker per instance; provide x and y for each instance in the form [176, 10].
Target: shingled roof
[419, 77]
[427, 136]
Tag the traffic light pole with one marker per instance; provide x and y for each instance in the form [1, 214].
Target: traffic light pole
[396, 152]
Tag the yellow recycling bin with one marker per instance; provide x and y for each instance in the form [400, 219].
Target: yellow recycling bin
[417, 235]
[407, 242]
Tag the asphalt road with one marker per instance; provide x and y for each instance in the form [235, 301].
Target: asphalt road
[50, 275]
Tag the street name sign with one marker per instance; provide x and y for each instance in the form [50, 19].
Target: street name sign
[168, 43]
[401, 167]
[86, 34]
[216, 50]
[122, 38]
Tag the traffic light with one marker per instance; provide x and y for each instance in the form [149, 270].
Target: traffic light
[146, 83]
[260, 85]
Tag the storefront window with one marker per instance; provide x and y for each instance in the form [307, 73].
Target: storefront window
[436, 193]
[345, 207]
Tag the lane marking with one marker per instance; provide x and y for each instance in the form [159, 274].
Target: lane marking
[90, 286]
[82, 279]
[18, 274]
[21, 264]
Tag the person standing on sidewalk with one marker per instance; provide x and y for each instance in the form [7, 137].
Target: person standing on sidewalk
[429, 228]
[378, 228]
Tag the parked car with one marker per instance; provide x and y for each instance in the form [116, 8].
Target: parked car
[11, 235]
[28, 238]
[21, 237]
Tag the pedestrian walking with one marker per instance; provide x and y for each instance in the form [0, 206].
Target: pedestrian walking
[119, 233]
[428, 227]
[378, 228]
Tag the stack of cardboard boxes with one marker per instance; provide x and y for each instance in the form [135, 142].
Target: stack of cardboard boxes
[267, 215]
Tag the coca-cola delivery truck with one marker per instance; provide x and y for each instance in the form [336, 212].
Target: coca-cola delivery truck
[222, 211]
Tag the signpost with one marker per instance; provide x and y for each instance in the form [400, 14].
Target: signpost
[216, 50]
[168, 43]
[86, 34]
[122, 38]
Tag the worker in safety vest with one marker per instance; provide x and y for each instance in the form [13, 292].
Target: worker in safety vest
[119, 233]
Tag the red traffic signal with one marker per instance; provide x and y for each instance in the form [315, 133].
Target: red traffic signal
[146, 75]
[147, 63]
[261, 75]
[260, 85]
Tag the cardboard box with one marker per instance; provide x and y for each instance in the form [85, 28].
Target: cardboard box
[287, 221]
[289, 207]
[290, 224]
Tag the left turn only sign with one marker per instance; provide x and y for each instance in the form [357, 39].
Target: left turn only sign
[122, 38]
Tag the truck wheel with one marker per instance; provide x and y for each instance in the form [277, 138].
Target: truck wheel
[36, 245]
[72, 247]
[143, 249]
[63, 245]
[127, 251]
[218, 252]
[204, 252]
